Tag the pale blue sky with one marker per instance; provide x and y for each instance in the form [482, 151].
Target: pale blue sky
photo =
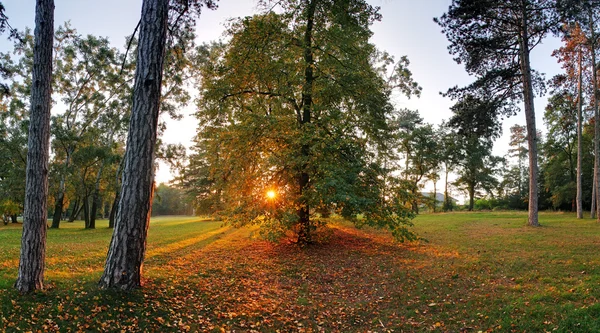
[407, 28]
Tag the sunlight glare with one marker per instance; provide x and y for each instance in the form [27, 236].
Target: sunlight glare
[271, 194]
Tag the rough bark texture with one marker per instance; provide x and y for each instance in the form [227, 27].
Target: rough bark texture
[33, 241]
[579, 139]
[304, 233]
[532, 139]
[128, 245]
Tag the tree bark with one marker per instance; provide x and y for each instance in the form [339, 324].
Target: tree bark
[304, 233]
[579, 198]
[33, 241]
[593, 209]
[434, 194]
[76, 210]
[58, 207]
[532, 139]
[86, 211]
[447, 201]
[113, 211]
[471, 197]
[96, 197]
[123, 267]
[596, 113]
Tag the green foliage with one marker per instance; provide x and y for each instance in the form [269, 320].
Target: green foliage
[256, 132]
[169, 200]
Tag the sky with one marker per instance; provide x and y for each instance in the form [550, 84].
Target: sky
[407, 28]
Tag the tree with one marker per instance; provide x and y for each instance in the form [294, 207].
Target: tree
[298, 102]
[33, 241]
[449, 157]
[93, 85]
[494, 39]
[519, 151]
[128, 244]
[584, 14]
[561, 151]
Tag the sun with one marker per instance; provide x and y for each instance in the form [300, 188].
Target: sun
[271, 194]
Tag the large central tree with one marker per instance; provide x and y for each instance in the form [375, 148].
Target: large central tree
[298, 102]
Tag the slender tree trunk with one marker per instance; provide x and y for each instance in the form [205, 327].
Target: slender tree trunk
[96, 197]
[447, 205]
[123, 267]
[593, 209]
[58, 207]
[596, 113]
[113, 211]
[532, 139]
[76, 210]
[579, 140]
[13, 218]
[86, 211]
[434, 193]
[304, 233]
[471, 197]
[33, 241]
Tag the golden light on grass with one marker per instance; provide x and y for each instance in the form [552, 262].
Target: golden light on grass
[271, 194]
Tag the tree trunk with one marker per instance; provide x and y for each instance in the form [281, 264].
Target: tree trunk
[596, 113]
[434, 194]
[579, 199]
[304, 233]
[532, 139]
[447, 201]
[593, 209]
[86, 211]
[123, 267]
[113, 211]
[33, 240]
[96, 198]
[76, 210]
[13, 218]
[471, 197]
[58, 207]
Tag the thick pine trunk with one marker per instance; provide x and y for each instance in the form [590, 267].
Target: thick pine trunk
[304, 232]
[33, 241]
[579, 199]
[532, 139]
[123, 267]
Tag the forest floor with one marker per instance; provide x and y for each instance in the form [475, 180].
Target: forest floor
[477, 272]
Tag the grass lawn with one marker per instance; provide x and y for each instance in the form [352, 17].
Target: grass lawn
[478, 272]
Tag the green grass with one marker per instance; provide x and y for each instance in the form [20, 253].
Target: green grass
[477, 272]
